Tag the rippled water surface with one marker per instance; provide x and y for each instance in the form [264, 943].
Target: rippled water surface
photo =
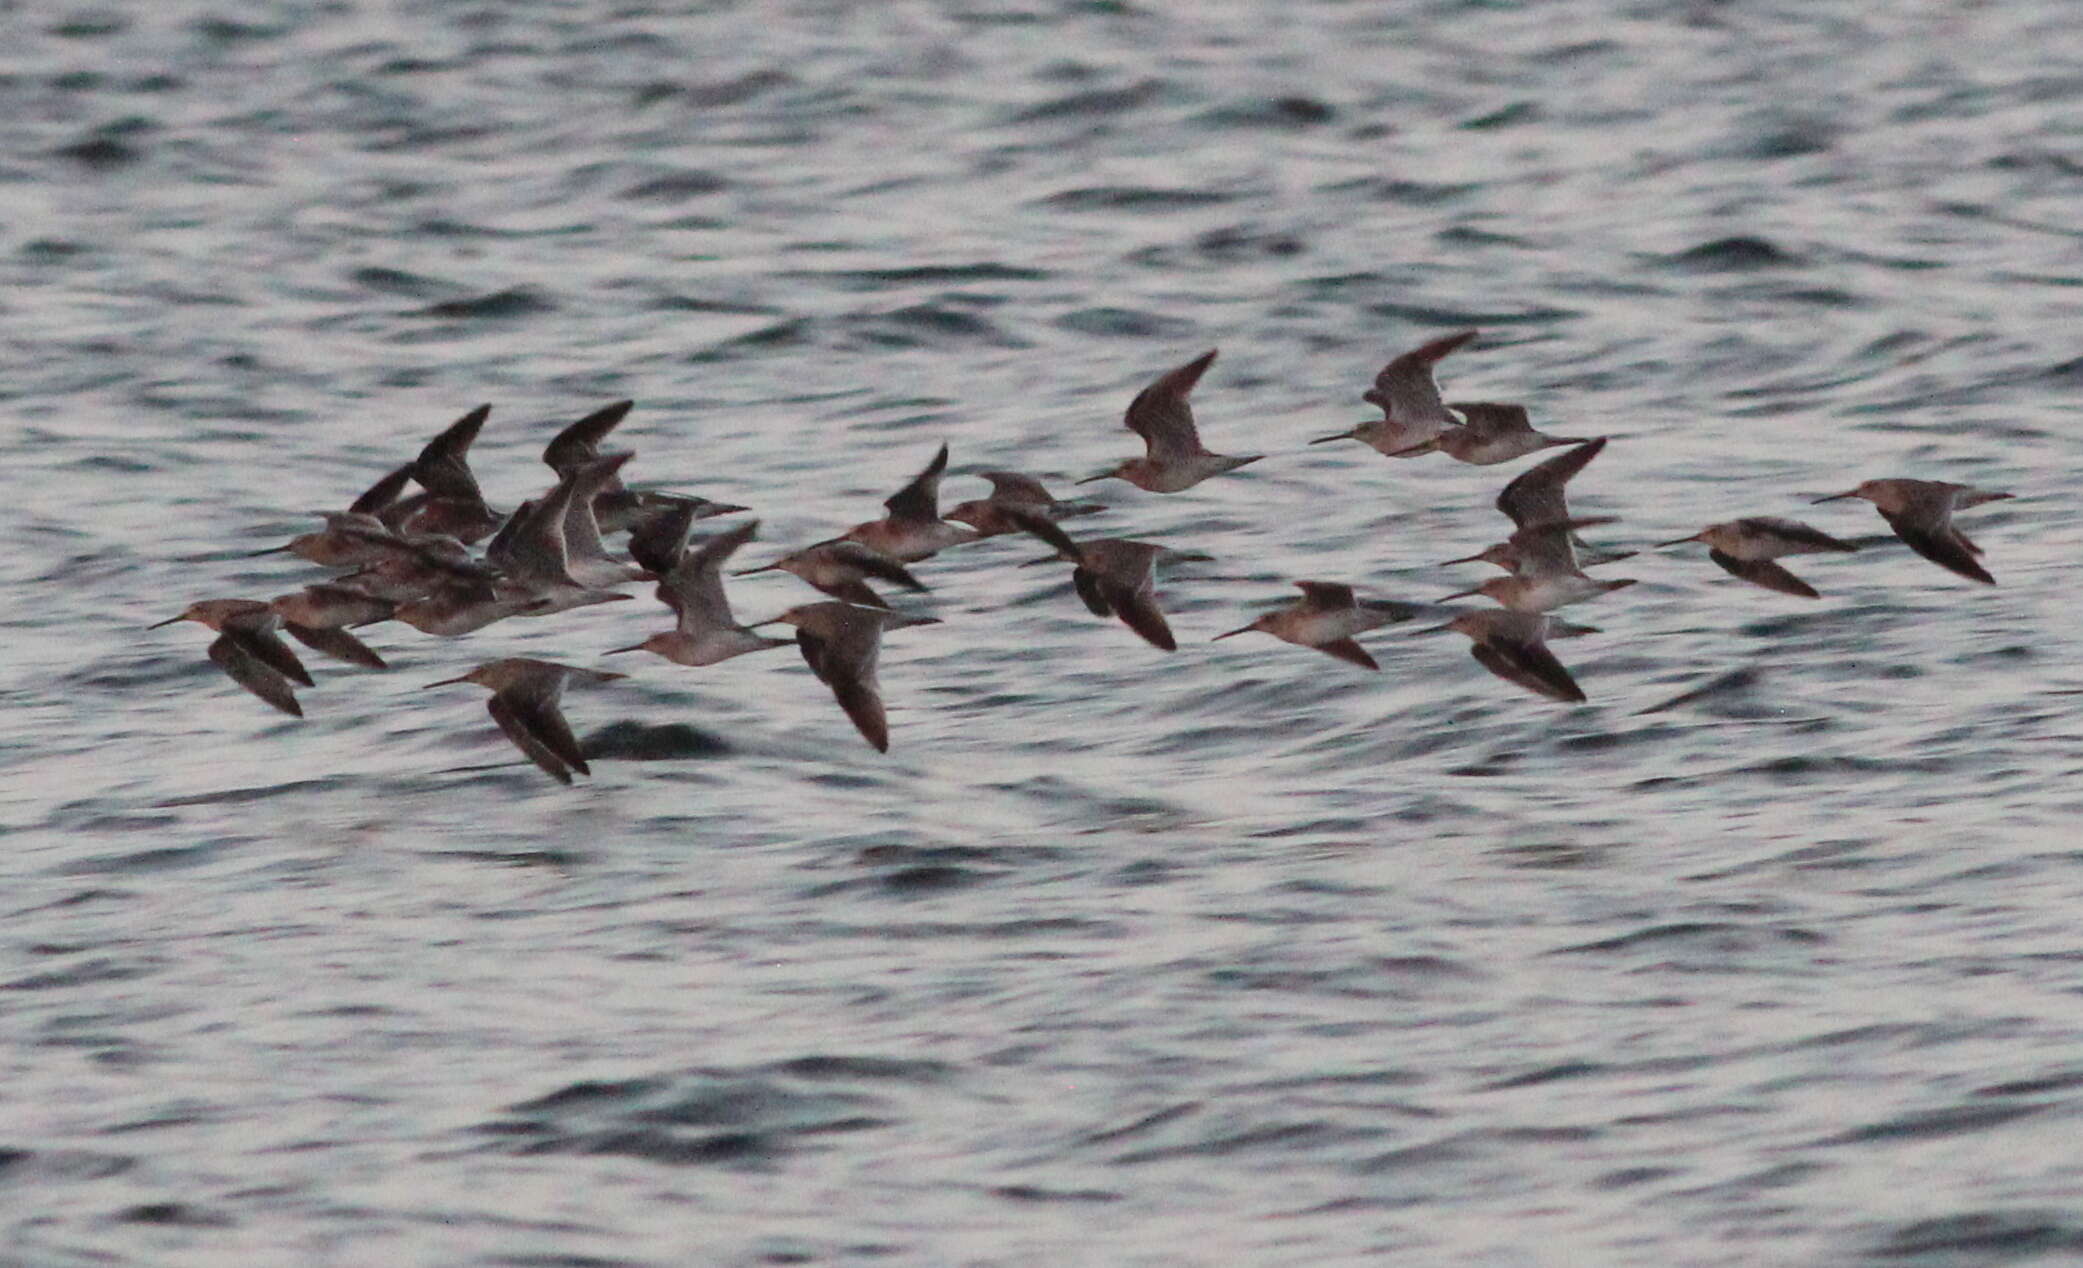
[1235, 955]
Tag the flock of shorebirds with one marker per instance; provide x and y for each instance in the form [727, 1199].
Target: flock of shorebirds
[408, 557]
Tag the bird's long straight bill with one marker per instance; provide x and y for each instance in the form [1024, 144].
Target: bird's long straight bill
[1676, 541]
[1233, 633]
[1465, 559]
[168, 621]
[746, 572]
[272, 550]
[446, 682]
[1835, 497]
[1459, 594]
[1104, 475]
[617, 651]
[1325, 440]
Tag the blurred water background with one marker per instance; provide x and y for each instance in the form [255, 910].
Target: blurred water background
[1236, 955]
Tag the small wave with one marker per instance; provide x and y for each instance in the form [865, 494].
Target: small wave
[1306, 1137]
[91, 25]
[1731, 255]
[1135, 198]
[1283, 113]
[2033, 1087]
[52, 249]
[912, 878]
[172, 1215]
[255, 792]
[676, 303]
[1951, 1120]
[1548, 1074]
[1138, 1126]
[86, 973]
[1429, 315]
[676, 187]
[927, 275]
[1037, 1193]
[390, 281]
[704, 1117]
[1770, 137]
[513, 302]
[1410, 193]
[163, 859]
[1093, 103]
[898, 1069]
[1504, 116]
[1725, 690]
[1222, 248]
[1717, 938]
[62, 1164]
[709, 96]
[927, 325]
[781, 334]
[1987, 1236]
[108, 147]
[1126, 323]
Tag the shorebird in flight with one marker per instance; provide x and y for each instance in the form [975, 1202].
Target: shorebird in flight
[1492, 433]
[1540, 555]
[318, 617]
[463, 605]
[659, 538]
[841, 643]
[1535, 496]
[525, 693]
[1921, 513]
[1011, 489]
[842, 569]
[1746, 548]
[453, 505]
[1547, 576]
[1174, 458]
[1114, 576]
[617, 506]
[913, 530]
[1513, 645]
[1527, 546]
[1327, 616]
[247, 650]
[355, 536]
[706, 633]
[1413, 417]
[586, 557]
[532, 551]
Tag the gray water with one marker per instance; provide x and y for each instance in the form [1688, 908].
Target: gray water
[1236, 955]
